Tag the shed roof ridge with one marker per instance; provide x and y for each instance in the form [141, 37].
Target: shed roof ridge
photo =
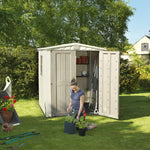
[74, 45]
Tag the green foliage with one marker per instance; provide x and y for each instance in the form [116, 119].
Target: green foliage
[21, 65]
[15, 24]
[5, 65]
[7, 104]
[128, 77]
[140, 64]
[52, 22]
[112, 49]
[71, 118]
[82, 123]
[144, 70]
[144, 81]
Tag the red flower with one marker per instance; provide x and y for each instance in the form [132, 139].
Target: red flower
[6, 97]
[84, 115]
[14, 101]
[13, 96]
[4, 109]
[83, 111]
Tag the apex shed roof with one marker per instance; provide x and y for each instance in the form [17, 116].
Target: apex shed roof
[72, 47]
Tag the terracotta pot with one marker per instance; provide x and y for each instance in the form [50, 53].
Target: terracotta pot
[76, 60]
[79, 60]
[6, 116]
[7, 127]
[84, 59]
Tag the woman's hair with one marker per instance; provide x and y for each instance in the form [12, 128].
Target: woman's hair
[73, 81]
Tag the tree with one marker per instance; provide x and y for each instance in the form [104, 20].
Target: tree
[15, 26]
[50, 22]
[100, 23]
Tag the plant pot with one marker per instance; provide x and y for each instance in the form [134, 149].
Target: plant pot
[83, 59]
[82, 131]
[79, 61]
[69, 128]
[6, 116]
[7, 127]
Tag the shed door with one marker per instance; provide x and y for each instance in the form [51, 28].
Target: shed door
[109, 84]
[63, 70]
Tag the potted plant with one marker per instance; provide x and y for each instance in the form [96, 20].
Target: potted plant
[69, 125]
[7, 108]
[81, 124]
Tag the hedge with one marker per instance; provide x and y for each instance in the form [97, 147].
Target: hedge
[21, 65]
[144, 81]
[128, 77]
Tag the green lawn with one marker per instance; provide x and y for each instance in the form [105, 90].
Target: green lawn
[130, 132]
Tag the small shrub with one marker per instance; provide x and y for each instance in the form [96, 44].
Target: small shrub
[128, 77]
[144, 81]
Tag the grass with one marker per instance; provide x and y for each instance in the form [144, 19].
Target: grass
[130, 132]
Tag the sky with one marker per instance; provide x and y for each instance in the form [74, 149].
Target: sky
[139, 23]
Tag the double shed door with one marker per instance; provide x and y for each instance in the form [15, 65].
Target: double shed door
[64, 69]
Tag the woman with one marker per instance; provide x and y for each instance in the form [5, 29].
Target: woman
[77, 101]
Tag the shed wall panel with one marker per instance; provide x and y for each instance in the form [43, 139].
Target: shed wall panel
[109, 84]
[45, 82]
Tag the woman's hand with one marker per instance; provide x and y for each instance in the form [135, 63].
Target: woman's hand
[77, 118]
[68, 110]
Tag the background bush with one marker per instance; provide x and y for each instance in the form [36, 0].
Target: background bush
[21, 65]
[128, 77]
[144, 80]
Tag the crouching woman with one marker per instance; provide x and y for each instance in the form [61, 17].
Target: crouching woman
[77, 102]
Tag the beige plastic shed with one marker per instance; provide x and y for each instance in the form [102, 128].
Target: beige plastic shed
[58, 65]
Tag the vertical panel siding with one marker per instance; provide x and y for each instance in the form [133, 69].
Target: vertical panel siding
[63, 70]
[67, 79]
[109, 84]
[44, 82]
[114, 84]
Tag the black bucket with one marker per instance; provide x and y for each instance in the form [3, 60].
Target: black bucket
[69, 127]
[82, 132]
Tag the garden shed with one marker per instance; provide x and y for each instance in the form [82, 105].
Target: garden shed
[96, 71]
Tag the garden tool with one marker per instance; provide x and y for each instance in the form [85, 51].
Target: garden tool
[94, 79]
[15, 147]
[19, 138]
[96, 105]
[19, 135]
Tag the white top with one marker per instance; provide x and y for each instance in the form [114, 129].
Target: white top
[72, 47]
